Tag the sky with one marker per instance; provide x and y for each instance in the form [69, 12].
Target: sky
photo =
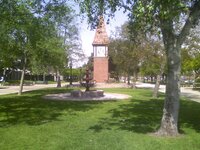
[87, 35]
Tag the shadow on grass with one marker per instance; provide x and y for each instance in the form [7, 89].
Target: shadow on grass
[144, 116]
[190, 115]
[31, 109]
[141, 116]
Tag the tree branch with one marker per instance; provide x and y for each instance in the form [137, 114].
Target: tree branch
[167, 31]
[191, 21]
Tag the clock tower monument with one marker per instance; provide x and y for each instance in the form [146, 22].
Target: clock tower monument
[100, 53]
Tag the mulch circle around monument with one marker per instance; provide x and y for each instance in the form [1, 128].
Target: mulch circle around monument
[68, 97]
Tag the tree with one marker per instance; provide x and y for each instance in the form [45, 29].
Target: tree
[31, 34]
[174, 19]
[8, 45]
[191, 53]
[154, 62]
[90, 63]
[126, 53]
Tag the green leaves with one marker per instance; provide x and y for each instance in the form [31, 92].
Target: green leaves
[125, 53]
[35, 29]
[191, 53]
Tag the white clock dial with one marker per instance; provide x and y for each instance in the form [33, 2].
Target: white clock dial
[101, 51]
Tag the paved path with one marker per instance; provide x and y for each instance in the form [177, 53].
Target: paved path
[14, 89]
[187, 92]
[190, 94]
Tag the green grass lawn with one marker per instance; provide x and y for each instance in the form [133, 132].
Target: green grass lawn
[29, 122]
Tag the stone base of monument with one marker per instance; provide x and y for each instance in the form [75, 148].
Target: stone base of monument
[78, 95]
[87, 94]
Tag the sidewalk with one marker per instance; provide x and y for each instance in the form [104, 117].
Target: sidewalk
[185, 91]
[14, 89]
[190, 94]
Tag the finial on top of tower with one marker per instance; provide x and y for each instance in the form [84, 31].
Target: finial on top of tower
[101, 37]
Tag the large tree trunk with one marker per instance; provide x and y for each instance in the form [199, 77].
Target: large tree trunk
[58, 79]
[134, 80]
[128, 78]
[22, 80]
[169, 123]
[44, 78]
[157, 85]
[4, 76]
[124, 78]
[22, 75]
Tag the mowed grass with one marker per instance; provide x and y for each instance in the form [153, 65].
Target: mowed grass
[29, 122]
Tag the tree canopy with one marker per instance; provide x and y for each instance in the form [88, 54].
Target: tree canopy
[34, 33]
[191, 53]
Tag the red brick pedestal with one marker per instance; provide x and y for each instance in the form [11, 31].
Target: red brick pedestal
[100, 69]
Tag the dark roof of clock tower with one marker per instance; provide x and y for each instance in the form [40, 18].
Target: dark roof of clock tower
[101, 37]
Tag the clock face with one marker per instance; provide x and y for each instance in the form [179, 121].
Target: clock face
[101, 51]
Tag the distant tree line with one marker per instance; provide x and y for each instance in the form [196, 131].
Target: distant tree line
[35, 35]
